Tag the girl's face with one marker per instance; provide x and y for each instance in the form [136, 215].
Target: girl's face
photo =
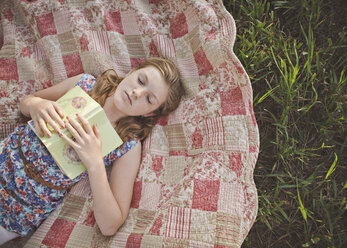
[141, 92]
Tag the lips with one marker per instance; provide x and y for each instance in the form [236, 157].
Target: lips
[128, 98]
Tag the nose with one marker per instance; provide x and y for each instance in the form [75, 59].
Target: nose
[138, 92]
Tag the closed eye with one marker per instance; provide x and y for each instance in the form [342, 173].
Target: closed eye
[140, 81]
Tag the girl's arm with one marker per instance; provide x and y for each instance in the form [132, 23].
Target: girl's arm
[111, 199]
[42, 108]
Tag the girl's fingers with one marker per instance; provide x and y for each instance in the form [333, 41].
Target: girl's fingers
[72, 129]
[76, 125]
[58, 109]
[44, 128]
[53, 124]
[37, 128]
[57, 118]
[96, 131]
[85, 124]
[67, 139]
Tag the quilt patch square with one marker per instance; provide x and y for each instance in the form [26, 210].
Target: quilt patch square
[192, 18]
[129, 22]
[204, 65]
[9, 34]
[67, 43]
[8, 69]
[73, 64]
[113, 21]
[144, 220]
[152, 241]
[236, 135]
[206, 194]
[175, 243]
[62, 21]
[26, 69]
[193, 38]
[157, 226]
[200, 244]
[58, 68]
[46, 25]
[203, 226]
[72, 208]
[76, 3]
[59, 233]
[135, 202]
[81, 236]
[99, 42]
[135, 46]
[176, 138]
[231, 192]
[228, 230]
[232, 102]
[187, 67]
[120, 239]
[214, 131]
[165, 46]
[178, 223]
[134, 240]
[40, 51]
[150, 196]
[178, 26]
[174, 170]
[161, 147]
[214, 53]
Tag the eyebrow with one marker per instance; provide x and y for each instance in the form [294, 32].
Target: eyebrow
[147, 81]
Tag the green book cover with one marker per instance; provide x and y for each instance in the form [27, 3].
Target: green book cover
[78, 101]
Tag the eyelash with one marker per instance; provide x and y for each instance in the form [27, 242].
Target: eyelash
[142, 83]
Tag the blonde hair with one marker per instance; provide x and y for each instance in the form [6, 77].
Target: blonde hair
[139, 127]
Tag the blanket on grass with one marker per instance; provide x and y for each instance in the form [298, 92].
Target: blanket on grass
[195, 185]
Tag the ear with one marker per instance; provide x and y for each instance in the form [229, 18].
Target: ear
[149, 114]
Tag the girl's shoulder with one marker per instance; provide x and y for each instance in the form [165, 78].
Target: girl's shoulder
[120, 151]
[86, 82]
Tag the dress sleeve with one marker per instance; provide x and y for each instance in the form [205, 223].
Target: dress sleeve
[86, 82]
[120, 151]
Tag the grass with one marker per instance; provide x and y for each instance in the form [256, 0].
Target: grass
[295, 53]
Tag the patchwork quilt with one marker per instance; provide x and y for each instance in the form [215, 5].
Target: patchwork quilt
[195, 185]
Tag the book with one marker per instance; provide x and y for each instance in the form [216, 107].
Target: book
[78, 101]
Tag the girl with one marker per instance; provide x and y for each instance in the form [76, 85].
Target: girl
[31, 184]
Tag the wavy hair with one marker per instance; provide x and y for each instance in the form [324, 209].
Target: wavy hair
[139, 127]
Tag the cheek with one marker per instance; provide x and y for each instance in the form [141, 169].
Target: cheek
[117, 98]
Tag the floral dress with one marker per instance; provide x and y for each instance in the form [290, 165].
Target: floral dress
[25, 203]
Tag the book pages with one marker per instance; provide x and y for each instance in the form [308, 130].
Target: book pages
[78, 101]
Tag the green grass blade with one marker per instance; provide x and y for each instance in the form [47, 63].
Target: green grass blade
[332, 167]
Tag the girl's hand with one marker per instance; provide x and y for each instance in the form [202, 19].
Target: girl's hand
[45, 112]
[87, 141]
